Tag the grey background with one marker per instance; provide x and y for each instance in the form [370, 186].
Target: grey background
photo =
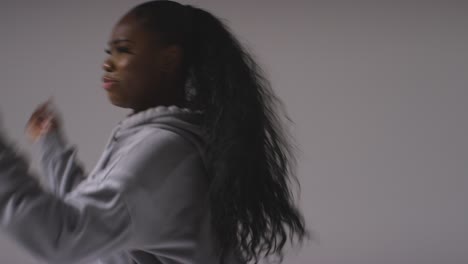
[377, 91]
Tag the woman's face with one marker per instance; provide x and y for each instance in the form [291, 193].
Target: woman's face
[135, 70]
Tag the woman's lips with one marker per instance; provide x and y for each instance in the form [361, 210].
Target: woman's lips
[108, 84]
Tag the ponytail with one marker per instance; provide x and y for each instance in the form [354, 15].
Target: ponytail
[250, 159]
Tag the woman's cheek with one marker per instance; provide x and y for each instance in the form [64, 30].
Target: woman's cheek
[124, 64]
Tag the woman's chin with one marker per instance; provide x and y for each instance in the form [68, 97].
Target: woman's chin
[115, 100]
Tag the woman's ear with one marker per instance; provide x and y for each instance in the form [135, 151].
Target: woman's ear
[171, 58]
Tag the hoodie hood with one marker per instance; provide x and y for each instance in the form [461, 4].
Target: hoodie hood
[182, 121]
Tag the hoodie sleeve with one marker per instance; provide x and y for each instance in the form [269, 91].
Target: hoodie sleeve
[91, 221]
[153, 196]
[62, 171]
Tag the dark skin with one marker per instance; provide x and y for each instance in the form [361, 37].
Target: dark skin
[146, 74]
[146, 71]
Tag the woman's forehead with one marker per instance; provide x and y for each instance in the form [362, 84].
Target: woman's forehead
[125, 27]
[130, 30]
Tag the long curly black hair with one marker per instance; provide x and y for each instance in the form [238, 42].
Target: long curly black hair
[250, 157]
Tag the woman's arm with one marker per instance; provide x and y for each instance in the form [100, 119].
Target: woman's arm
[61, 168]
[58, 159]
[89, 222]
[154, 195]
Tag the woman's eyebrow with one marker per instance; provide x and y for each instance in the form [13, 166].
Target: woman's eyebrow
[116, 41]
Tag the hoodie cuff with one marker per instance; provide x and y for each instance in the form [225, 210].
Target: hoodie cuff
[51, 144]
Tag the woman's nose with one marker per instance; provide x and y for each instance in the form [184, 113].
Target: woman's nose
[107, 66]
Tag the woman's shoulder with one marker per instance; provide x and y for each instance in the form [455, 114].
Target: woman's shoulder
[152, 155]
[157, 137]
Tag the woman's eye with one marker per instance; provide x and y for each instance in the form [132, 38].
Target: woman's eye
[119, 50]
[123, 49]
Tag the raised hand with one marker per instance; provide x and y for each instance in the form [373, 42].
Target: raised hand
[42, 121]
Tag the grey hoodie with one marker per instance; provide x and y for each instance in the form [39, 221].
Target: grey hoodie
[145, 202]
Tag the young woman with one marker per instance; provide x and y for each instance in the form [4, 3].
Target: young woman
[198, 172]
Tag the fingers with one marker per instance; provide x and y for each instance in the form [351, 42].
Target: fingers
[37, 129]
[46, 125]
[42, 120]
[42, 112]
[39, 113]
